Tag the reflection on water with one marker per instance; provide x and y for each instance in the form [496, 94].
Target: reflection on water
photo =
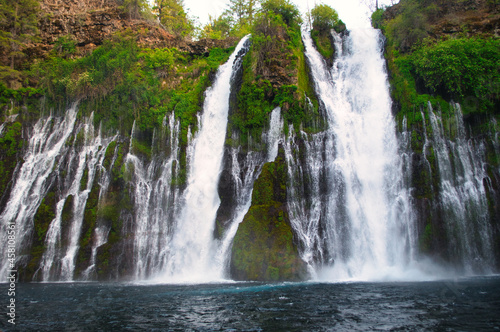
[449, 305]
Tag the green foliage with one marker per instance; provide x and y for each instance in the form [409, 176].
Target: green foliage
[93, 77]
[377, 18]
[461, 67]
[122, 83]
[136, 9]
[218, 27]
[159, 58]
[173, 17]
[454, 68]
[409, 27]
[325, 18]
[243, 11]
[274, 74]
[323, 43]
[284, 8]
[11, 144]
[18, 26]
[65, 46]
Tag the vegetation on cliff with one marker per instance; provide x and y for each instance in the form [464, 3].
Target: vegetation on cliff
[324, 19]
[442, 52]
[275, 74]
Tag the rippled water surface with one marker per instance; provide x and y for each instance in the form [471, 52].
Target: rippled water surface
[449, 305]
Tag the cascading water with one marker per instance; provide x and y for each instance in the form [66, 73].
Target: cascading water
[46, 146]
[462, 194]
[101, 230]
[306, 194]
[369, 227]
[243, 175]
[154, 201]
[348, 192]
[58, 261]
[191, 249]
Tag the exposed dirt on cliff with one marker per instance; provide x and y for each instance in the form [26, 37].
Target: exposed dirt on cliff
[469, 17]
[90, 22]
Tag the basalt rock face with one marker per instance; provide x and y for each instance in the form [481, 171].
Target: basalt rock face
[470, 17]
[90, 22]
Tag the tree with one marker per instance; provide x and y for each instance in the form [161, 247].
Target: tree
[324, 18]
[287, 10]
[18, 23]
[218, 27]
[244, 13]
[135, 8]
[173, 17]
[237, 8]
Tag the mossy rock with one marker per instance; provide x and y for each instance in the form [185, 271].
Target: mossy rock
[264, 248]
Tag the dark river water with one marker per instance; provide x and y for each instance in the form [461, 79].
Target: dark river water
[449, 305]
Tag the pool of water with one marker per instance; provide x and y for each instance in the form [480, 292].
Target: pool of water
[471, 304]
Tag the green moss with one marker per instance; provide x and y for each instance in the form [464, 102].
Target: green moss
[84, 179]
[11, 144]
[88, 226]
[108, 155]
[67, 212]
[141, 148]
[44, 215]
[323, 43]
[263, 247]
[426, 239]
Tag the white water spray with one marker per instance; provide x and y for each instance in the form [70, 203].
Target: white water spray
[462, 195]
[154, 203]
[372, 233]
[46, 146]
[58, 261]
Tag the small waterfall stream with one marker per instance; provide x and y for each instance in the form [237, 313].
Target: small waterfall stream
[46, 147]
[58, 261]
[155, 201]
[462, 194]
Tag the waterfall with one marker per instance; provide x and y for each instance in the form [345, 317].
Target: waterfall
[191, 247]
[274, 134]
[243, 175]
[462, 194]
[46, 146]
[369, 226]
[306, 194]
[154, 201]
[101, 231]
[62, 242]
